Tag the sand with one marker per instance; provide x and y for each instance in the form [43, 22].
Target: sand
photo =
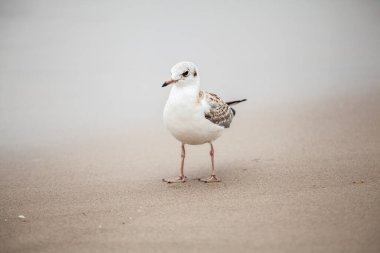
[300, 177]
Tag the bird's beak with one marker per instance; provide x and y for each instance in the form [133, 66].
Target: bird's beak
[169, 82]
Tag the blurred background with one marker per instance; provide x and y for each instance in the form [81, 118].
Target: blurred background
[87, 68]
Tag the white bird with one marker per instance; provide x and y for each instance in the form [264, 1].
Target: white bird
[193, 116]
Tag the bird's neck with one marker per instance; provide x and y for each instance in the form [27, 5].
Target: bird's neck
[187, 93]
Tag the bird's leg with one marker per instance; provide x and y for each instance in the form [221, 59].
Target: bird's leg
[213, 177]
[182, 178]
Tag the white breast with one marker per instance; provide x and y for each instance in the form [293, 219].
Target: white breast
[184, 117]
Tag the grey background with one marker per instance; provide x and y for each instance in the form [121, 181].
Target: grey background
[72, 69]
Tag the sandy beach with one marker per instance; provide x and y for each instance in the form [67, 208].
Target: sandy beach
[83, 149]
[296, 178]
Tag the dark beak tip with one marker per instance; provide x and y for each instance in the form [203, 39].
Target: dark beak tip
[165, 84]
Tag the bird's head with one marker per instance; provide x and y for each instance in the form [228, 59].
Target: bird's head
[183, 74]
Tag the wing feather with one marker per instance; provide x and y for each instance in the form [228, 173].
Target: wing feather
[218, 112]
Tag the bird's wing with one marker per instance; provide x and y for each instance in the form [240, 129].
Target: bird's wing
[216, 110]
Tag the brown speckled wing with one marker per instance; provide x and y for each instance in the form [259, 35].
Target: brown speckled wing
[220, 113]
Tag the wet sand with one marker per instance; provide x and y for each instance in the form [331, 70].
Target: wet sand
[296, 178]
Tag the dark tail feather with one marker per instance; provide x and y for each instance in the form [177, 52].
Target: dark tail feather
[233, 111]
[236, 102]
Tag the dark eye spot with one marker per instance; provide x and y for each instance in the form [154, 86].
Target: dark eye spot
[185, 73]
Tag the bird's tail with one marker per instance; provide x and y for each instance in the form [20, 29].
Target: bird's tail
[235, 103]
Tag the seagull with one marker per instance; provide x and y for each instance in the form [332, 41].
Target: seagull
[193, 116]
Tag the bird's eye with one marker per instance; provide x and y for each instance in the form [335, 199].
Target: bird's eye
[185, 73]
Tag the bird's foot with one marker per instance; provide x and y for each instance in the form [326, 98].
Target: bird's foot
[180, 179]
[210, 179]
